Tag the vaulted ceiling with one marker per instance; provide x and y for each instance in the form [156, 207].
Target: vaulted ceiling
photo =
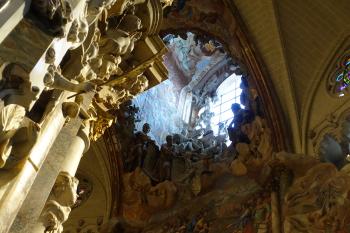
[299, 42]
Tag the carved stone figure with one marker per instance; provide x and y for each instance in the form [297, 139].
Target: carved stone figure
[121, 6]
[62, 198]
[205, 119]
[241, 117]
[55, 80]
[57, 14]
[141, 199]
[318, 201]
[110, 97]
[100, 123]
[138, 150]
[50, 56]
[105, 66]
[65, 189]
[166, 153]
[95, 7]
[119, 39]
[119, 42]
[84, 190]
[139, 85]
[53, 216]
[184, 144]
[78, 31]
[16, 95]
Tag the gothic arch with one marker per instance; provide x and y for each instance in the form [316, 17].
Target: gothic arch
[231, 32]
[315, 115]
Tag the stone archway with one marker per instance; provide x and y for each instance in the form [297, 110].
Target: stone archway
[231, 32]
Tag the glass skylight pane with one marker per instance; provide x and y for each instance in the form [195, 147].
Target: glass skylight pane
[226, 106]
[227, 97]
[226, 115]
[228, 93]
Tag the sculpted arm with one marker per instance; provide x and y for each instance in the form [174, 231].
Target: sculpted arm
[59, 82]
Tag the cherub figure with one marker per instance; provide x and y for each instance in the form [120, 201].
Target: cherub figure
[16, 95]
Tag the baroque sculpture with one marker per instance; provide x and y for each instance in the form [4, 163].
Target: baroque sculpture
[62, 198]
[17, 95]
[81, 65]
[56, 13]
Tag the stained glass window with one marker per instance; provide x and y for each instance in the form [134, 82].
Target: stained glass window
[342, 80]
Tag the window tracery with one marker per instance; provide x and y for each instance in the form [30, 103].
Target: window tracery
[340, 81]
[228, 93]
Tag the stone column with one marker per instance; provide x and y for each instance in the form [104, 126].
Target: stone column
[275, 213]
[281, 181]
[11, 13]
[64, 193]
[80, 145]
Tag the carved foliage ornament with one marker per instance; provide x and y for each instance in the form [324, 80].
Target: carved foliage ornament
[335, 127]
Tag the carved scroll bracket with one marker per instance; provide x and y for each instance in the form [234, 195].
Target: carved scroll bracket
[333, 126]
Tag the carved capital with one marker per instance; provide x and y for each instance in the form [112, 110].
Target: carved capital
[100, 125]
[65, 189]
[63, 196]
[53, 216]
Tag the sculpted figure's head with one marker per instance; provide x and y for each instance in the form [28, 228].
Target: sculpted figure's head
[169, 140]
[130, 23]
[161, 196]
[146, 128]
[177, 139]
[235, 108]
[140, 85]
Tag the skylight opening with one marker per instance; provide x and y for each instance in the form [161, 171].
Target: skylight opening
[228, 93]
